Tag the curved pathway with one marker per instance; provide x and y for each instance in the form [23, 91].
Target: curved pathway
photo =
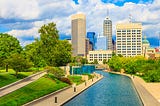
[19, 84]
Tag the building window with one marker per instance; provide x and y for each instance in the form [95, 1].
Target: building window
[91, 59]
[100, 59]
[91, 55]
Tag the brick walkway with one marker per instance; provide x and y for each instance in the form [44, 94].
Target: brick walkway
[65, 95]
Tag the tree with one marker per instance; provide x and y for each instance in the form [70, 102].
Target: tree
[95, 61]
[62, 53]
[84, 61]
[57, 72]
[104, 61]
[115, 63]
[18, 63]
[113, 54]
[49, 39]
[8, 45]
[33, 53]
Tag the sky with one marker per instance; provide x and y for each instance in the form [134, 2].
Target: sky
[23, 18]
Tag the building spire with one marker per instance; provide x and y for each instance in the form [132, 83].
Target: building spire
[107, 12]
[130, 18]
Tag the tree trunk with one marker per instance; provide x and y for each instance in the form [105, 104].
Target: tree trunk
[16, 74]
[6, 67]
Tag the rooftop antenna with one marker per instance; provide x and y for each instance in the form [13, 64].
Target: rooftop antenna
[107, 12]
[130, 18]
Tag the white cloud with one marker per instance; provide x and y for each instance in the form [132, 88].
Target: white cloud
[25, 33]
[59, 11]
[23, 9]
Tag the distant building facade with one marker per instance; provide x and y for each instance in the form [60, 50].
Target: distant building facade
[129, 39]
[107, 31]
[69, 40]
[101, 43]
[91, 37]
[99, 55]
[78, 24]
[87, 46]
[145, 46]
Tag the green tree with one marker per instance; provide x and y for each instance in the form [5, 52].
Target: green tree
[49, 39]
[84, 61]
[104, 61]
[113, 54]
[18, 63]
[56, 71]
[95, 61]
[62, 53]
[8, 45]
[115, 63]
[33, 53]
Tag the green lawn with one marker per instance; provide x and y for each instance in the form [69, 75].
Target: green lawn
[9, 77]
[90, 76]
[32, 91]
[76, 79]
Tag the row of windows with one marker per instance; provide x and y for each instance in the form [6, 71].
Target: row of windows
[128, 49]
[100, 54]
[129, 30]
[128, 52]
[131, 54]
[128, 33]
[133, 36]
[98, 59]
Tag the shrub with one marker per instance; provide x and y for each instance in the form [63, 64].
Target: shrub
[56, 71]
[66, 80]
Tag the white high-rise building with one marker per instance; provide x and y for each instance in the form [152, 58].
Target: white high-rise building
[78, 34]
[129, 39]
[107, 31]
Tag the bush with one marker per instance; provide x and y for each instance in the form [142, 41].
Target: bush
[56, 71]
[89, 75]
[76, 79]
[66, 80]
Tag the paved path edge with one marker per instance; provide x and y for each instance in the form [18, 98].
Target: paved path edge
[47, 96]
[81, 91]
[19, 81]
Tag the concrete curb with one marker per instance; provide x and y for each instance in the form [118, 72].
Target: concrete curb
[81, 91]
[19, 81]
[46, 96]
[49, 100]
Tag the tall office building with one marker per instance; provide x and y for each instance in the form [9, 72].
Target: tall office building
[129, 39]
[91, 37]
[101, 43]
[107, 31]
[78, 34]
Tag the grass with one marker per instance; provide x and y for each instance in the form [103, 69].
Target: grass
[89, 76]
[76, 79]
[41, 87]
[9, 77]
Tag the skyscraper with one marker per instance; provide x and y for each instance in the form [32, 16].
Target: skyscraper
[107, 31]
[129, 39]
[101, 43]
[78, 34]
[91, 37]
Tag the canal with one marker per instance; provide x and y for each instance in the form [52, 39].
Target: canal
[112, 90]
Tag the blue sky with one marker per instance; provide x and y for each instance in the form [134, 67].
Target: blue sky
[23, 18]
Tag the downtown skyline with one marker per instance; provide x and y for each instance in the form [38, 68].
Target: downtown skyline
[23, 21]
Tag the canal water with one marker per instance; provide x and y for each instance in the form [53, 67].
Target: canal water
[112, 90]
